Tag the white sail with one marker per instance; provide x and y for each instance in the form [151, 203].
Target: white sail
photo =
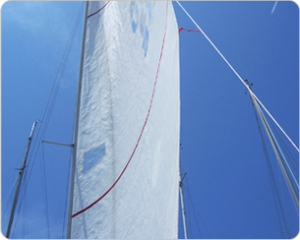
[127, 166]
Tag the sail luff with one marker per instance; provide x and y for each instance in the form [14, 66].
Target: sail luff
[75, 135]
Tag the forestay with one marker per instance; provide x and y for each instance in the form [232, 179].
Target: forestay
[127, 166]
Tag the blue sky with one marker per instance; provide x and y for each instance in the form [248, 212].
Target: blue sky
[227, 187]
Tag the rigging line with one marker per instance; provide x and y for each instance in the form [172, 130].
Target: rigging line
[56, 80]
[8, 196]
[15, 222]
[45, 190]
[19, 203]
[55, 89]
[24, 215]
[274, 187]
[50, 103]
[281, 178]
[279, 157]
[280, 150]
[50, 99]
[62, 68]
[63, 63]
[293, 160]
[218, 51]
[60, 74]
[194, 212]
[189, 192]
[260, 103]
[41, 134]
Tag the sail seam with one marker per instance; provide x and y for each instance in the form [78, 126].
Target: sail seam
[143, 128]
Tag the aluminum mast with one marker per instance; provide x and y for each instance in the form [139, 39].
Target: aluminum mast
[11, 219]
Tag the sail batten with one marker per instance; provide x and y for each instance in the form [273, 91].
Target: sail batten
[126, 177]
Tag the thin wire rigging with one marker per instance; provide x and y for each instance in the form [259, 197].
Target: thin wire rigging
[46, 117]
[275, 192]
[287, 151]
[281, 151]
[8, 198]
[187, 190]
[218, 51]
[195, 210]
[52, 97]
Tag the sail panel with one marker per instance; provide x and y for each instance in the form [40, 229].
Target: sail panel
[127, 166]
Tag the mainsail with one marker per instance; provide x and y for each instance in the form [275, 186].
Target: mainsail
[127, 144]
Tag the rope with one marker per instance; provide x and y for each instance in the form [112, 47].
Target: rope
[208, 39]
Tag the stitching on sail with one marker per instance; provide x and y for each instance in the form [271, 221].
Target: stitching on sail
[143, 128]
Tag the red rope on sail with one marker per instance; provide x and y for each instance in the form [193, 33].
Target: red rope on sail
[143, 128]
[98, 10]
[188, 30]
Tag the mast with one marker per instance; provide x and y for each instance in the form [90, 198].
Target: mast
[276, 150]
[183, 207]
[75, 139]
[11, 219]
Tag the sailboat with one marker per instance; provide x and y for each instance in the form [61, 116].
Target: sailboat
[124, 178]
